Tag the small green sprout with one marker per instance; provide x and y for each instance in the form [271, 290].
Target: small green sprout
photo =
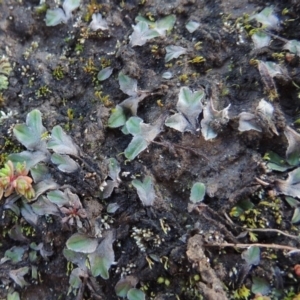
[105, 99]
[165, 261]
[253, 237]
[90, 67]
[150, 262]
[78, 48]
[3, 82]
[70, 268]
[279, 56]
[5, 69]
[68, 39]
[274, 205]
[5, 66]
[197, 60]
[197, 192]
[70, 113]
[164, 226]
[184, 78]
[285, 11]
[104, 62]
[41, 8]
[150, 16]
[224, 90]
[242, 293]
[273, 95]
[28, 230]
[122, 3]
[198, 46]
[255, 31]
[160, 280]
[45, 136]
[3, 158]
[154, 49]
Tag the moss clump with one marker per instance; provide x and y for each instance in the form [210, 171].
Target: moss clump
[58, 73]
[43, 91]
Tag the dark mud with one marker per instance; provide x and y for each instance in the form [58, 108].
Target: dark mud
[228, 165]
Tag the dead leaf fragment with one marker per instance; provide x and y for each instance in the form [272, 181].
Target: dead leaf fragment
[293, 150]
[290, 186]
[213, 120]
[247, 121]
[261, 121]
[18, 276]
[265, 113]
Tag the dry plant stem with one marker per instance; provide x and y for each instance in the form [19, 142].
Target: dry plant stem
[200, 209]
[271, 246]
[222, 228]
[276, 36]
[151, 93]
[217, 216]
[92, 290]
[192, 151]
[89, 166]
[228, 219]
[81, 290]
[97, 296]
[265, 229]
[181, 147]
[274, 230]
[262, 182]
[243, 273]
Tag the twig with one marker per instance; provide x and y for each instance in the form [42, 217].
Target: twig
[93, 291]
[216, 219]
[276, 36]
[272, 246]
[89, 166]
[164, 144]
[265, 229]
[228, 219]
[273, 230]
[262, 182]
[81, 289]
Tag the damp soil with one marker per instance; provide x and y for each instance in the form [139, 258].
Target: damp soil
[181, 265]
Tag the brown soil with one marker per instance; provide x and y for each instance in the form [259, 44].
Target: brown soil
[228, 165]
